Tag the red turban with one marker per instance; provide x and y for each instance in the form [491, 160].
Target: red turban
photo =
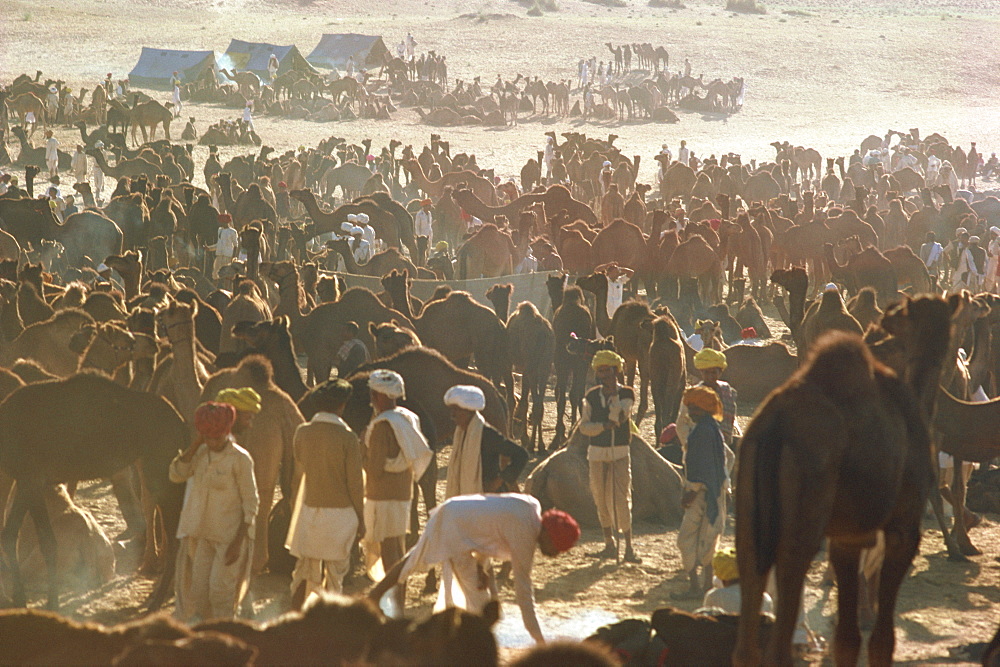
[668, 433]
[749, 332]
[214, 420]
[715, 223]
[224, 218]
[563, 529]
[282, 184]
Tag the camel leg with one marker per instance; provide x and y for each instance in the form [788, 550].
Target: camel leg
[135, 522]
[747, 651]
[791, 568]
[901, 545]
[562, 378]
[960, 530]
[847, 636]
[643, 387]
[46, 541]
[8, 540]
[954, 552]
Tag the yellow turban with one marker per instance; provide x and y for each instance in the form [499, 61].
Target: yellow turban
[709, 358]
[607, 358]
[243, 399]
[704, 398]
[724, 564]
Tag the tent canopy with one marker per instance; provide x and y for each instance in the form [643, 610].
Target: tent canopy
[333, 51]
[157, 66]
[254, 56]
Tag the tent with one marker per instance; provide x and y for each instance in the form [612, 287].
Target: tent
[333, 51]
[254, 56]
[157, 66]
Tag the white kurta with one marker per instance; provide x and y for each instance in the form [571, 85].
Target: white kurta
[504, 527]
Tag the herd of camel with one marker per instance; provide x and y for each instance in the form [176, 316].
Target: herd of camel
[707, 245]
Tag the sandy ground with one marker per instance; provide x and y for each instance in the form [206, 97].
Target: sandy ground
[820, 73]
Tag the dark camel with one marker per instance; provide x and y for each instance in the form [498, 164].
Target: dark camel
[667, 369]
[571, 322]
[532, 345]
[43, 446]
[851, 436]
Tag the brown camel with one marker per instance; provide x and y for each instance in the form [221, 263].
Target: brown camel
[695, 258]
[180, 377]
[612, 205]
[486, 254]
[678, 181]
[482, 187]
[828, 313]
[350, 176]
[379, 265]
[269, 438]
[475, 206]
[48, 342]
[868, 268]
[864, 309]
[390, 338]
[532, 345]
[631, 328]
[499, 296]
[149, 115]
[796, 283]
[850, 435]
[667, 370]
[386, 225]
[910, 270]
[272, 338]
[571, 322]
[247, 82]
[562, 481]
[246, 306]
[620, 242]
[397, 288]
[77, 442]
[757, 370]
[750, 315]
[126, 167]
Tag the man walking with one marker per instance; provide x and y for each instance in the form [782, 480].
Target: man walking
[225, 247]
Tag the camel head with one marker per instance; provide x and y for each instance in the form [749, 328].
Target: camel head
[263, 335]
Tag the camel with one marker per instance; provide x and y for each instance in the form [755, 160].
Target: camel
[475, 206]
[247, 82]
[695, 258]
[397, 288]
[379, 265]
[850, 435]
[562, 481]
[910, 270]
[31, 156]
[388, 225]
[88, 233]
[678, 181]
[796, 283]
[134, 167]
[180, 377]
[667, 370]
[350, 176]
[499, 296]
[269, 438]
[827, 314]
[390, 338]
[532, 345]
[864, 309]
[868, 268]
[757, 370]
[77, 442]
[631, 328]
[571, 321]
[246, 306]
[23, 104]
[486, 254]
[149, 115]
[272, 339]
[482, 187]
[48, 342]
[620, 242]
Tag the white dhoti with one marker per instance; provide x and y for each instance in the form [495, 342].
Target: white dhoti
[206, 587]
[611, 485]
[321, 539]
[698, 538]
[383, 519]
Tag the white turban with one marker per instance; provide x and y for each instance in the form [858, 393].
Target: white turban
[465, 396]
[346, 227]
[961, 230]
[973, 239]
[387, 382]
[363, 218]
[102, 267]
[351, 217]
[995, 230]
[607, 163]
[831, 287]
[356, 230]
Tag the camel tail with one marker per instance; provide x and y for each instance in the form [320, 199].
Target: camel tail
[766, 528]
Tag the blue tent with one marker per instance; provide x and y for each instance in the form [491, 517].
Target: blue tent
[254, 56]
[157, 66]
[333, 51]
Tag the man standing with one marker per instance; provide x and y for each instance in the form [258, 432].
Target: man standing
[99, 174]
[225, 247]
[478, 449]
[704, 499]
[396, 454]
[364, 222]
[607, 419]
[683, 154]
[423, 222]
[711, 363]
[330, 503]
[467, 529]
[175, 84]
[352, 352]
[272, 67]
[79, 164]
[51, 153]
[246, 402]
[216, 527]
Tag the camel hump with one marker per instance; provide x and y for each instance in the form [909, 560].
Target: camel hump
[842, 366]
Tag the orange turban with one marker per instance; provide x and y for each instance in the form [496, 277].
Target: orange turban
[705, 399]
[214, 420]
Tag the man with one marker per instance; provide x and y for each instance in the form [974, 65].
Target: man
[248, 116]
[704, 499]
[225, 248]
[711, 363]
[607, 420]
[396, 454]
[216, 526]
[330, 510]
[962, 260]
[931, 253]
[993, 262]
[477, 452]
[423, 222]
[79, 164]
[364, 222]
[352, 352]
[246, 402]
[727, 595]
[466, 529]
[4, 183]
[272, 67]
[99, 174]
[684, 153]
[972, 265]
[70, 207]
[175, 84]
[51, 153]
[359, 246]
[52, 105]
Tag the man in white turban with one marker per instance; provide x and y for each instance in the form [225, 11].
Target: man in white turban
[369, 231]
[397, 455]
[478, 450]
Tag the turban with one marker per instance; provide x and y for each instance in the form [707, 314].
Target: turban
[426, 202]
[704, 398]
[715, 223]
[607, 358]
[214, 420]
[363, 218]
[709, 358]
[370, 158]
[441, 246]
[225, 217]
[102, 267]
[831, 287]
[282, 184]
[352, 217]
[668, 433]
[961, 230]
[563, 529]
[973, 239]
[346, 226]
[356, 230]
[995, 230]
[749, 332]
[387, 382]
[607, 163]
[465, 396]
[244, 399]
[724, 564]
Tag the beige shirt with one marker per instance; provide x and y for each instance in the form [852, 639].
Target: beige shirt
[221, 493]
